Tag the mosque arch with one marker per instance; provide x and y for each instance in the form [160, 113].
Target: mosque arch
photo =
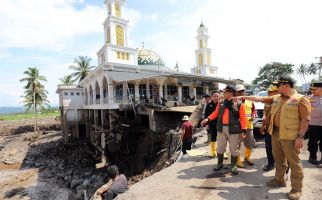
[200, 59]
[90, 95]
[105, 89]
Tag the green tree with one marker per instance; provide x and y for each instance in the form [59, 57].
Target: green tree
[82, 67]
[302, 71]
[312, 69]
[34, 94]
[67, 80]
[271, 72]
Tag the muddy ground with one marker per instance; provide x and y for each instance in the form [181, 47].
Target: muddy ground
[42, 167]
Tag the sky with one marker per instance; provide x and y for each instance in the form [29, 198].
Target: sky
[244, 36]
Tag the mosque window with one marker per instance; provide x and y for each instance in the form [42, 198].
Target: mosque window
[66, 94]
[172, 89]
[123, 55]
[119, 35]
[117, 10]
[119, 92]
[77, 93]
[131, 91]
[118, 55]
[127, 56]
[199, 91]
[208, 58]
[72, 94]
[200, 59]
[142, 90]
[108, 35]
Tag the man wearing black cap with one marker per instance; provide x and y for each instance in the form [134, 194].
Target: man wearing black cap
[231, 126]
[290, 114]
[212, 130]
[315, 124]
[206, 113]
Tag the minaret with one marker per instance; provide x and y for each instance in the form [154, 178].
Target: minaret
[203, 54]
[116, 48]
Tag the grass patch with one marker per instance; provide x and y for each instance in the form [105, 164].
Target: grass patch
[22, 116]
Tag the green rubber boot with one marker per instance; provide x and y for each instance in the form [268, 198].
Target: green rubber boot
[233, 165]
[220, 164]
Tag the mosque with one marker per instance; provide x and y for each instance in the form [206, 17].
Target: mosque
[132, 86]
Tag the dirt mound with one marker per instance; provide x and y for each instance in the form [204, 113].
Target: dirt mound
[23, 126]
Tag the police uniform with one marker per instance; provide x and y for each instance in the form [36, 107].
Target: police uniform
[315, 124]
[286, 115]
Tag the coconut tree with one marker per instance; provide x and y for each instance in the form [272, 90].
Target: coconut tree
[34, 93]
[82, 67]
[67, 80]
[302, 71]
[312, 69]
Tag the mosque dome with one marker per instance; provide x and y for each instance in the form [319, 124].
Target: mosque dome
[150, 58]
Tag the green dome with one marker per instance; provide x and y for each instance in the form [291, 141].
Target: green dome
[149, 57]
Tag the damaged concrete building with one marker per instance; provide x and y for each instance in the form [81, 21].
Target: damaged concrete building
[132, 90]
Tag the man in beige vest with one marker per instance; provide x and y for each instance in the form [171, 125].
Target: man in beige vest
[290, 114]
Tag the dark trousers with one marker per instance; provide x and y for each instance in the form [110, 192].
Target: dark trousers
[186, 145]
[268, 147]
[315, 140]
[212, 131]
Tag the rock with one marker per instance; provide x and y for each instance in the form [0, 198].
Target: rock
[9, 162]
[75, 183]
[85, 182]
[13, 152]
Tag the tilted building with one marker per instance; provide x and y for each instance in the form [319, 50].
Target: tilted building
[132, 86]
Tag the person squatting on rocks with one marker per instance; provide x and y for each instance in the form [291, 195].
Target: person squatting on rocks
[315, 124]
[211, 127]
[118, 186]
[186, 134]
[231, 127]
[249, 141]
[290, 114]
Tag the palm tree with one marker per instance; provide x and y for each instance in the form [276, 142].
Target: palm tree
[302, 71]
[82, 67]
[312, 69]
[34, 91]
[67, 80]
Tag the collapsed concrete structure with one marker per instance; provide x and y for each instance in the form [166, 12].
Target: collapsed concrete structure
[132, 90]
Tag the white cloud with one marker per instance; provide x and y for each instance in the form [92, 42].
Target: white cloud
[46, 24]
[244, 35]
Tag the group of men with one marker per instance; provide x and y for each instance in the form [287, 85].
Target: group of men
[288, 119]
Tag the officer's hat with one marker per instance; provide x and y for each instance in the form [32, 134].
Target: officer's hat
[317, 84]
[230, 88]
[285, 79]
[272, 88]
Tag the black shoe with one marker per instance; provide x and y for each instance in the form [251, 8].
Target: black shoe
[219, 167]
[313, 160]
[268, 168]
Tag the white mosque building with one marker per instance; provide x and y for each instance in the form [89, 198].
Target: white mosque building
[132, 83]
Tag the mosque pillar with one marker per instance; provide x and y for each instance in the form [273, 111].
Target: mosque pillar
[180, 93]
[136, 91]
[166, 90]
[125, 93]
[194, 92]
[148, 90]
[110, 92]
[94, 97]
[206, 90]
[101, 95]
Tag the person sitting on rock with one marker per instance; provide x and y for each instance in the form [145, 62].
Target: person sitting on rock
[118, 186]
